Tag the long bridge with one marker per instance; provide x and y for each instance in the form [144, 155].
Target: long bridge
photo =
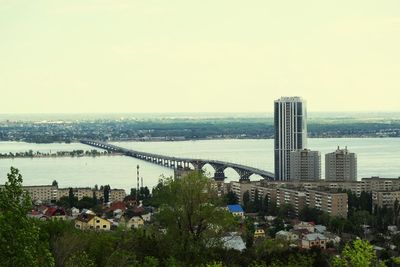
[185, 163]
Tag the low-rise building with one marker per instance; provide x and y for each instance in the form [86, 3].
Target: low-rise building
[314, 240]
[286, 235]
[259, 233]
[55, 213]
[236, 210]
[135, 222]
[305, 226]
[90, 221]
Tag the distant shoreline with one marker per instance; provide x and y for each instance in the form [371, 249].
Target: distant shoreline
[63, 154]
[193, 139]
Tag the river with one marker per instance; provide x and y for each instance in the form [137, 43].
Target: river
[376, 157]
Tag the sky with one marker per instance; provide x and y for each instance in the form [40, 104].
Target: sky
[82, 56]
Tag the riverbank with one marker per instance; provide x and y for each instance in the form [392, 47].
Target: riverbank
[58, 154]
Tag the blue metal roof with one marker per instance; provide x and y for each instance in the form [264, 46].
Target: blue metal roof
[235, 208]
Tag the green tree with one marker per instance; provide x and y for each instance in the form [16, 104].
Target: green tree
[80, 259]
[231, 198]
[249, 232]
[191, 213]
[20, 243]
[106, 191]
[72, 200]
[357, 254]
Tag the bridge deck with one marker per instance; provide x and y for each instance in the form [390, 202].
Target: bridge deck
[243, 170]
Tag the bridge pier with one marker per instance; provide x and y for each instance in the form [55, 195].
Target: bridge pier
[198, 165]
[219, 174]
[244, 174]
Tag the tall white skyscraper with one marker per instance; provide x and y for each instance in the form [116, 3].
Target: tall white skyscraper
[290, 117]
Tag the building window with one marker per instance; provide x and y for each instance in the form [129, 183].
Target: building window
[104, 226]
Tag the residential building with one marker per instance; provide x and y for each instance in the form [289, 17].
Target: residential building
[314, 240]
[239, 188]
[259, 233]
[135, 222]
[341, 165]
[45, 193]
[290, 120]
[288, 236]
[310, 227]
[385, 198]
[90, 221]
[55, 213]
[236, 210]
[305, 165]
[117, 195]
[293, 197]
[334, 203]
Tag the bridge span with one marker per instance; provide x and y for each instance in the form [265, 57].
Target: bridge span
[185, 163]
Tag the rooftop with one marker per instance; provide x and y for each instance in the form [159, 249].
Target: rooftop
[235, 208]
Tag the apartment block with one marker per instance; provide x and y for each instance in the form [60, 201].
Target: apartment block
[305, 165]
[334, 203]
[341, 165]
[239, 188]
[46, 193]
[117, 195]
[293, 197]
[385, 198]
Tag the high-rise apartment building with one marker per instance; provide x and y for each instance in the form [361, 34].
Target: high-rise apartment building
[305, 165]
[341, 165]
[290, 119]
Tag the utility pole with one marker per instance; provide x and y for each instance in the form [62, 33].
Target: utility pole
[137, 186]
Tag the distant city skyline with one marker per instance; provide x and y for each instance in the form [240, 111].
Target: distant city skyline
[209, 56]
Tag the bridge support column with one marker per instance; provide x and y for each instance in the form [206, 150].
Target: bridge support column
[198, 165]
[219, 174]
[244, 175]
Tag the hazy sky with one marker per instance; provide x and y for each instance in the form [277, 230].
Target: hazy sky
[198, 56]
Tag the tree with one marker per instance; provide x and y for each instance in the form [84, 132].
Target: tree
[54, 183]
[80, 259]
[265, 205]
[20, 243]
[72, 200]
[358, 254]
[189, 210]
[107, 190]
[231, 198]
[249, 233]
[247, 205]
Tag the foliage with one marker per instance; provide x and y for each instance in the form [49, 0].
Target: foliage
[358, 254]
[231, 198]
[20, 243]
[190, 213]
[106, 190]
[80, 259]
